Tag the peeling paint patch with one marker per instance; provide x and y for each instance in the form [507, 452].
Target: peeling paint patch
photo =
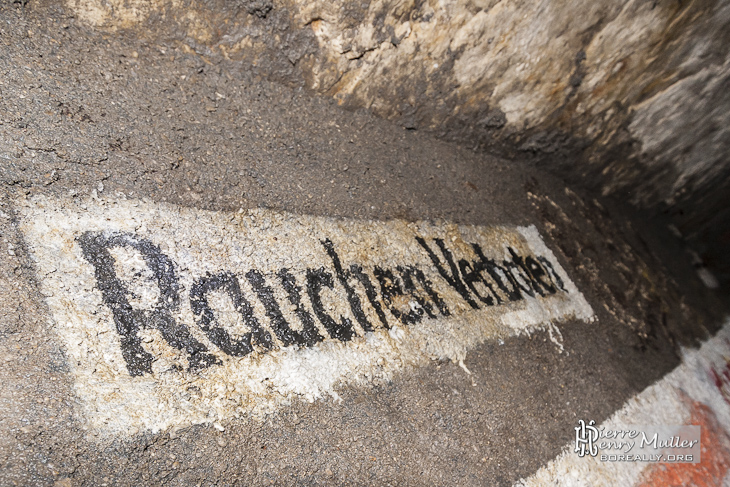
[173, 316]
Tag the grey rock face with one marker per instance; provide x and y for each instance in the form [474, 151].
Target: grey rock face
[628, 97]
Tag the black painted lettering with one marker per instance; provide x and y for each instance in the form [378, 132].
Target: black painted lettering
[357, 272]
[95, 247]
[498, 274]
[309, 333]
[410, 289]
[412, 274]
[402, 305]
[279, 324]
[316, 280]
[520, 276]
[553, 275]
[472, 275]
[453, 279]
[207, 322]
[404, 291]
[352, 296]
[538, 274]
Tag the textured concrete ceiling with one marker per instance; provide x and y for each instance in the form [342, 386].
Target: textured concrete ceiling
[631, 98]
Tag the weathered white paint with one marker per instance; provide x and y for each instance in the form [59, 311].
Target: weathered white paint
[114, 402]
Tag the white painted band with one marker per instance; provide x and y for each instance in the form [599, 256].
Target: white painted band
[252, 247]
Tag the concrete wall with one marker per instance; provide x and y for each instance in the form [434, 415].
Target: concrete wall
[629, 97]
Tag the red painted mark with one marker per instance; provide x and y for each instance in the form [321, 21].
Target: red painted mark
[721, 378]
[710, 472]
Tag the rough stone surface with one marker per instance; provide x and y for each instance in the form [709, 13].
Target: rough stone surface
[85, 111]
[629, 97]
